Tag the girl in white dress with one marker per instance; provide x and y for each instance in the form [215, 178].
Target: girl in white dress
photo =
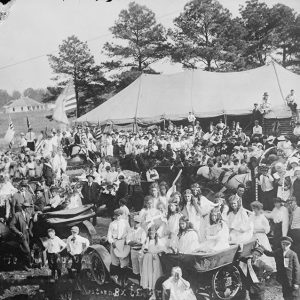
[151, 267]
[187, 239]
[178, 287]
[283, 181]
[148, 214]
[173, 220]
[154, 194]
[216, 233]
[191, 210]
[240, 226]
[261, 228]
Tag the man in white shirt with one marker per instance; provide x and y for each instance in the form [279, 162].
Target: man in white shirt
[59, 163]
[76, 246]
[23, 142]
[55, 200]
[257, 130]
[54, 246]
[291, 100]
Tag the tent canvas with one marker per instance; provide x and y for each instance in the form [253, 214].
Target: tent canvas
[151, 98]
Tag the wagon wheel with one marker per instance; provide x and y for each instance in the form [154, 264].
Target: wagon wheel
[98, 270]
[226, 283]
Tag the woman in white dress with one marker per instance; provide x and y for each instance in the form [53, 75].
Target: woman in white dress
[280, 225]
[154, 194]
[240, 226]
[151, 267]
[216, 233]
[173, 218]
[261, 228]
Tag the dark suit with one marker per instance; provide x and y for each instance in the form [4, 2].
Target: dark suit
[20, 224]
[40, 203]
[90, 193]
[122, 191]
[289, 276]
[48, 174]
[91, 196]
[17, 199]
[256, 115]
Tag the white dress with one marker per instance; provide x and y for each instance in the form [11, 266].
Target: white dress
[261, 223]
[151, 267]
[179, 290]
[238, 222]
[217, 237]
[187, 242]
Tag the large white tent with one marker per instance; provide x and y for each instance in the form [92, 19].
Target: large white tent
[151, 98]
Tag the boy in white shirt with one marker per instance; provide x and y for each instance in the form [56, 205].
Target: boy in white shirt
[54, 246]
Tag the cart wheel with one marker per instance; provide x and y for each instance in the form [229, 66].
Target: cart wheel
[98, 270]
[226, 283]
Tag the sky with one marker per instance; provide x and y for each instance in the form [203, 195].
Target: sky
[35, 28]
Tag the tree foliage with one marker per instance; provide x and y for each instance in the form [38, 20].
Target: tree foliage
[74, 61]
[141, 42]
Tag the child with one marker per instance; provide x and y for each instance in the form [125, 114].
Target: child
[124, 209]
[54, 246]
[151, 267]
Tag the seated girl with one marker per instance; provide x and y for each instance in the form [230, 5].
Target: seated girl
[240, 226]
[148, 214]
[186, 241]
[216, 233]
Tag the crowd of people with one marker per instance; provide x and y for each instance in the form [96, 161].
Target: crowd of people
[167, 220]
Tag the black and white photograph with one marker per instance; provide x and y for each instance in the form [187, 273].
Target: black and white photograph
[150, 149]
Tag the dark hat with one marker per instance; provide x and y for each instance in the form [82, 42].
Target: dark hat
[287, 239]
[54, 188]
[39, 189]
[90, 175]
[258, 249]
[50, 229]
[24, 183]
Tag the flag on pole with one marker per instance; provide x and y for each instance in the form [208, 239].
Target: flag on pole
[98, 131]
[65, 102]
[28, 123]
[9, 136]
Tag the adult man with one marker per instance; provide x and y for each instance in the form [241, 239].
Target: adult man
[76, 246]
[265, 106]
[19, 225]
[90, 192]
[291, 101]
[256, 114]
[48, 172]
[119, 252]
[257, 130]
[65, 143]
[20, 197]
[122, 191]
[30, 137]
[288, 270]
[295, 225]
[135, 238]
[23, 142]
[255, 273]
[40, 201]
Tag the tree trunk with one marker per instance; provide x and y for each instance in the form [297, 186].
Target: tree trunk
[76, 94]
[284, 56]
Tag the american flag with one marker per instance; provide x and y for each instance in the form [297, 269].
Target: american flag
[65, 102]
[9, 136]
[98, 132]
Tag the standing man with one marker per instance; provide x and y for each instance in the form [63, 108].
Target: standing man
[90, 192]
[192, 119]
[19, 225]
[256, 114]
[30, 137]
[288, 270]
[76, 246]
[295, 224]
[20, 197]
